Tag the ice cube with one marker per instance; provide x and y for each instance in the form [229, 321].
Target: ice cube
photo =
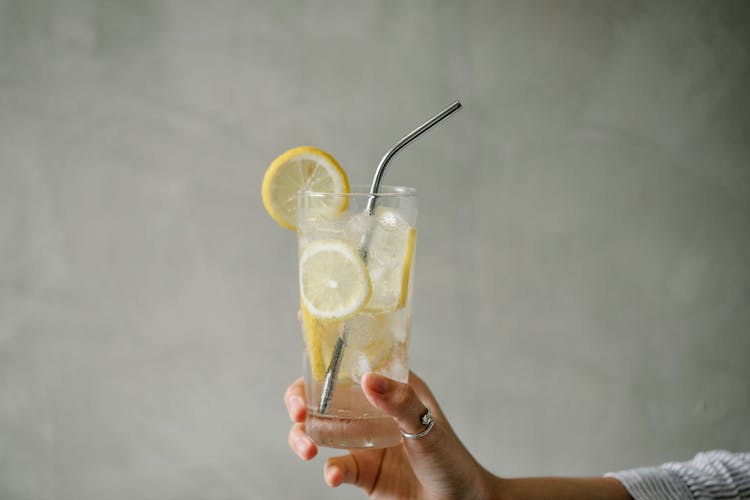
[389, 219]
[356, 228]
[361, 331]
[319, 227]
[361, 367]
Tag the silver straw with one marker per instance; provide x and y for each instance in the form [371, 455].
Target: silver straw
[329, 385]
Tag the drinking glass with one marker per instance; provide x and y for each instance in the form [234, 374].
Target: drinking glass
[383, 235]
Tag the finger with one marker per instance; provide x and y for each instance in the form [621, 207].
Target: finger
[437, 453]
[299, 315]
[301, 444]
[396, 399]
[340, 470]
[294, 399]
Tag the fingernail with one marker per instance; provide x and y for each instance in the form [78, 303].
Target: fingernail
[378, 384]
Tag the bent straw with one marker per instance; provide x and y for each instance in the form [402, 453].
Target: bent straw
[329, 385]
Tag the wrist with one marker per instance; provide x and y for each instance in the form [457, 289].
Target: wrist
[494, 487]
[574, 488]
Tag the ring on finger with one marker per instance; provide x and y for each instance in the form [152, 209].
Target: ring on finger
[427, 420]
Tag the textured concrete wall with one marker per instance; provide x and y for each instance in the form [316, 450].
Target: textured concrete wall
[583, 280]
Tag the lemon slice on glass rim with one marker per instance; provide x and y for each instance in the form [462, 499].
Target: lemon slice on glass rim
[303, 167]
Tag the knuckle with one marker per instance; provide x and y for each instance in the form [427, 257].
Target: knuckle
[288, 395]
[295, 388]
[403, 396]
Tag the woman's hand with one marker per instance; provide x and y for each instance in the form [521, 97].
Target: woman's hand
[434, 466]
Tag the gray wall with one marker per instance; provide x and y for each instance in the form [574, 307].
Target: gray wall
[583, 281]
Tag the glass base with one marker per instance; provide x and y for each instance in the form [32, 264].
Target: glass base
[365, 432]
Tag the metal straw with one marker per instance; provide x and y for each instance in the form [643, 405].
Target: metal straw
[329, 385]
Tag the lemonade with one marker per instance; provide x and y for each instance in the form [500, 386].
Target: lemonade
[356, 274]
[356, 264]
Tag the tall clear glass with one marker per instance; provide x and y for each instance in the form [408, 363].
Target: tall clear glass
[377, 331]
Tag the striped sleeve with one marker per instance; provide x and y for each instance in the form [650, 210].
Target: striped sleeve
[715, 475]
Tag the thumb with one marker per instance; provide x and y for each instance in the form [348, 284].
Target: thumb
[398, 400]
[438, 458]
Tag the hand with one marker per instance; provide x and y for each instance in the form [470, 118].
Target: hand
[435, 466]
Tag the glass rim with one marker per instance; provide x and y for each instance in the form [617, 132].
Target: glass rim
[357, 190]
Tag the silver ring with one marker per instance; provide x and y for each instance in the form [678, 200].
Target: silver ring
[427, 420]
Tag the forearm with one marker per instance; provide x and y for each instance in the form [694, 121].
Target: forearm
[559, 488]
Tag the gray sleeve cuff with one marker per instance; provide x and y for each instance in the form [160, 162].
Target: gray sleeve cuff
[652, 483]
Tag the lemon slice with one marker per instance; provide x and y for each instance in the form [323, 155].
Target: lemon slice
[369, 345]
[389, 260]
[320, 336]
[333, 279]
[303, 167]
